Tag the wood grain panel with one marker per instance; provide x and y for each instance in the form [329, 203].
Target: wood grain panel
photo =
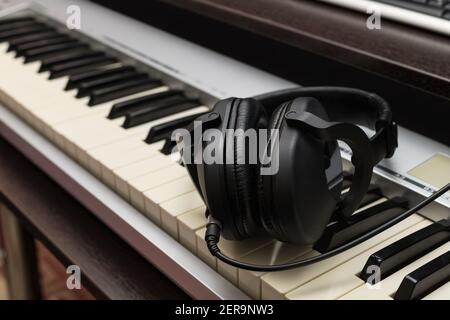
[410, 55]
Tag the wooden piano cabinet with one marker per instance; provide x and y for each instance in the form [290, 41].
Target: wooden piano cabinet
[410, 55]
[21, 269]
[313, 43]
[34, 207]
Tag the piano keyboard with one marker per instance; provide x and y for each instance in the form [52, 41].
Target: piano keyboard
[115, 120]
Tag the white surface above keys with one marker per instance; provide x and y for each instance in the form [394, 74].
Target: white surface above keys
[162, 51]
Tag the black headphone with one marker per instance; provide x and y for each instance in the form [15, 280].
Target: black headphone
[296, 203]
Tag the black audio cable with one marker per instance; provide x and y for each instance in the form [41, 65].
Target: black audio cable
[213, 229]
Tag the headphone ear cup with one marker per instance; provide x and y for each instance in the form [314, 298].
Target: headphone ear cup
[241, 176]
[263, 182]
[296, 202]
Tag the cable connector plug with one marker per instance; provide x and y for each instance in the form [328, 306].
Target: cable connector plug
[212, 235]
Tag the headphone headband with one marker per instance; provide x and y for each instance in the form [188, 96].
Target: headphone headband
[347, 105]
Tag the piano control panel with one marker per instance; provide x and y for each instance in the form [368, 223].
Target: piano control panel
[434, 171]
[102, 108]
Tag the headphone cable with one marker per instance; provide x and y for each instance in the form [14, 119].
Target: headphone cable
[213, 230]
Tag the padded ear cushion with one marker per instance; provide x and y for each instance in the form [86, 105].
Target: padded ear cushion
[264, 199]
[241, 176]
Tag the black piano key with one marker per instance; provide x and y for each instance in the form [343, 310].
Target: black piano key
[46, 64]
[373, 194]
[123, 108]
[347, 180]
[159, 111]
[168, 147]
[426, 279]
[21, 49]
[346, 184]
[164, 131]
[13, 44]
[76, 80]
[86, 88]
[23, 32]
[19, 25]
[16, 25]
[340, 232]
[122, 90]
[51, 51]
[79, 66]
[347, 175]
[15, 20]
[404, 251]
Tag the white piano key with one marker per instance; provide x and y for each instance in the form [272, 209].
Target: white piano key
[104, 133]
[70, 108]
[160, 177]
[389, 285]
[372, 204]
[137, 188]
[110, 132]
[344, 278]
[65, 135]
[275, 253]
[171, 209]
[277, 284]
[151, 164]
[3, 47]
[60, 116]
[20, 73]
[188, 224]
[441, 293]
[110, 150]
[230, 248]
[132, 156]
[28, 89]
[169, 191]
[238, 250]
[374, 294]
[16, 68]
[96, 156]
[67, 108]
[19, 86]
